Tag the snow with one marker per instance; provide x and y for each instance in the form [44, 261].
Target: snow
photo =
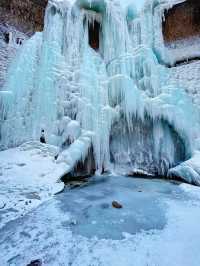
[76, 152]
[188, 170]
[183, 49]
[28, 176]
[57, 232]
[187, 77]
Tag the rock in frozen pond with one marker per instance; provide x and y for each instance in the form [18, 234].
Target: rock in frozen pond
[116, 205]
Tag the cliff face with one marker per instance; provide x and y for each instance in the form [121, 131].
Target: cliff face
[182, 21]
[19, 19]
[27, 15]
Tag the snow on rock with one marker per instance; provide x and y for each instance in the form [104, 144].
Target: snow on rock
[183, 50]
[76, 152]
[73, 130]
[188, 170]
[28, 176]
[187, 77]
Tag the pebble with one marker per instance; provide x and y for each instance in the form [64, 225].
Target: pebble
[116, 205]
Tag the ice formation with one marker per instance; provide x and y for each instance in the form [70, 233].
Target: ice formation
[92, 80]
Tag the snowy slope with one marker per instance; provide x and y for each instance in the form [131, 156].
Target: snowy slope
[28, 176]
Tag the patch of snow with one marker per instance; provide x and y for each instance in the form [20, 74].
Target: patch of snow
[183, 49]
[187, 77]
[28, 176]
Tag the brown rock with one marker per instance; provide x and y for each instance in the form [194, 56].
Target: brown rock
[26, 15]
[116, 205]
[182, 21]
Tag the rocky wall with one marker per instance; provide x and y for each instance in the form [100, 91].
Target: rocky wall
[19, 19]
[182, 21]
[27, 15]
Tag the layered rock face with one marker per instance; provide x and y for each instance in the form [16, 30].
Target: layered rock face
[18, 21]
[182, 21]
[27, 16]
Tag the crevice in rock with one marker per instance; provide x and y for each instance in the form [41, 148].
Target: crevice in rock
[94, 34]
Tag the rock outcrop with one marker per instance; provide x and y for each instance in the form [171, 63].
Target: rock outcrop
[18, 21]
[182, 21]
[27, 15]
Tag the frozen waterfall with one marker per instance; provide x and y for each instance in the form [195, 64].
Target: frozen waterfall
[92, 81]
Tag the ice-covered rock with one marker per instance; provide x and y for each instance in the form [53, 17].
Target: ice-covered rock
[188, 170]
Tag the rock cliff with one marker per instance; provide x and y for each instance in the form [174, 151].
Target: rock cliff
[18, 21]
[27, 15]
[182, 21]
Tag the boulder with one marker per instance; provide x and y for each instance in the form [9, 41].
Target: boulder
[116, 205]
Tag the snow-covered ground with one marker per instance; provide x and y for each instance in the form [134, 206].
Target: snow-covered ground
[28, 176]
[157, 226]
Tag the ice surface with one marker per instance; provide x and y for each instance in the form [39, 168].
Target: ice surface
[92, 213]
[76, 94]
[150, 229]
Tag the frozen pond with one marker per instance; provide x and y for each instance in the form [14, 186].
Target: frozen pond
[93, 214]
[80, 226]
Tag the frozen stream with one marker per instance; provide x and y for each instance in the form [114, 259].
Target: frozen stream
[80, 226]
